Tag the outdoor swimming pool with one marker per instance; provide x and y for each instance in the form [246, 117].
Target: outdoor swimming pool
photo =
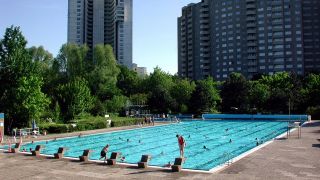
[161, 142]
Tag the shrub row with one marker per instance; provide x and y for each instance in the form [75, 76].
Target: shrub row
[118, 122]
[89, 123]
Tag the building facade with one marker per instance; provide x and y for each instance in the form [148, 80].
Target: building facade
[141, 71]
[95, 22]
[251, 37]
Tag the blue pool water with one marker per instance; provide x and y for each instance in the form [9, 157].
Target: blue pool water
[161, 142]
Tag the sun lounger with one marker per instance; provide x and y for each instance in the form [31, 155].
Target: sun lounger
[85, 155]
[144, 161]
[176, 167]
[36, 152]
[113, 158]
[60, 153]
[16, 148]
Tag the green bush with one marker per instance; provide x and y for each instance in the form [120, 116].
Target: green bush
[54, 128]
[118, 122]
[314, 112]
[91, 123]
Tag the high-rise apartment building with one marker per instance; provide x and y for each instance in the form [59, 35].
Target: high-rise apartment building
[218, 37]
[95, 22]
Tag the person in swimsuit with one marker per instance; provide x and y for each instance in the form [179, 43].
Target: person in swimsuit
[182, 144]
[103, 153]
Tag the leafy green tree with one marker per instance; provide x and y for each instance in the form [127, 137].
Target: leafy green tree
[128, 81]
[280, 86]
[235, 94]
[72, 61]
[312, 89]
[116, 104]
[205, 98]
[181, 92]
[74, 98]
[103, 78]
[30, 102]
[41, 56]
[159, 85]
[16, 66]
[258, 95]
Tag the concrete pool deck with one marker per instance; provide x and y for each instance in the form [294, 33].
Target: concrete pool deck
[291, 158]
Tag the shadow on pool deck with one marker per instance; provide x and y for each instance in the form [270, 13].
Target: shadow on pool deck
[316, 145]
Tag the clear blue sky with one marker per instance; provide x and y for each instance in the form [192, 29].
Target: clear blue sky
[44, 22]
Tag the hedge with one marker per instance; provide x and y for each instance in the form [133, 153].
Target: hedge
[54, 128]
[89, 123]
[118, 122]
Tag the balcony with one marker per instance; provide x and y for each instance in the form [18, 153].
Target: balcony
[251, 12]
[250, 38]
[251, 18]
[251, 25]
[251, 6]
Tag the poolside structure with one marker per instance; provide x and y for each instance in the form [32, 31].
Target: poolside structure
[177, 166]
[144, 161]
[60, 153]
[85, 155]
[113, 158]
[36, 152]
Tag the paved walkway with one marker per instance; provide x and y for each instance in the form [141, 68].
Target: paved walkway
[283, 159]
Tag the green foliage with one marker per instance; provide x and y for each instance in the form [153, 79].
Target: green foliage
[128, 81]
[234, 94]
[280, 86]
[103, 78]
[54, 128]
[205, 98]
[116, 104]
[181, 92]
[74, 98]
[91, 123]
[72, 60]
[139, 99]
[30, 101]
[312, 89]
[159, 85]
[118, 122]
[56, 114]
[314, 112]
[258, 95]
[19, 77]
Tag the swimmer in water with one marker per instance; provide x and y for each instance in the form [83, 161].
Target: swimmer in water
[230, 141]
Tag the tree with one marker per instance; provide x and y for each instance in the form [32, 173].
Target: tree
[74, 98]
[235, 94]
[16, 66]
[103, 78]
[159, 85]
[72, 61]
[181, 93]
[30, 102]
[205, 98]
[128, 81]
[280, 86]
[258, 95]
[116, 104]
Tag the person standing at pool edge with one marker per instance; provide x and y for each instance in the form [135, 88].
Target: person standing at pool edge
[182, 144]
[104, 152]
